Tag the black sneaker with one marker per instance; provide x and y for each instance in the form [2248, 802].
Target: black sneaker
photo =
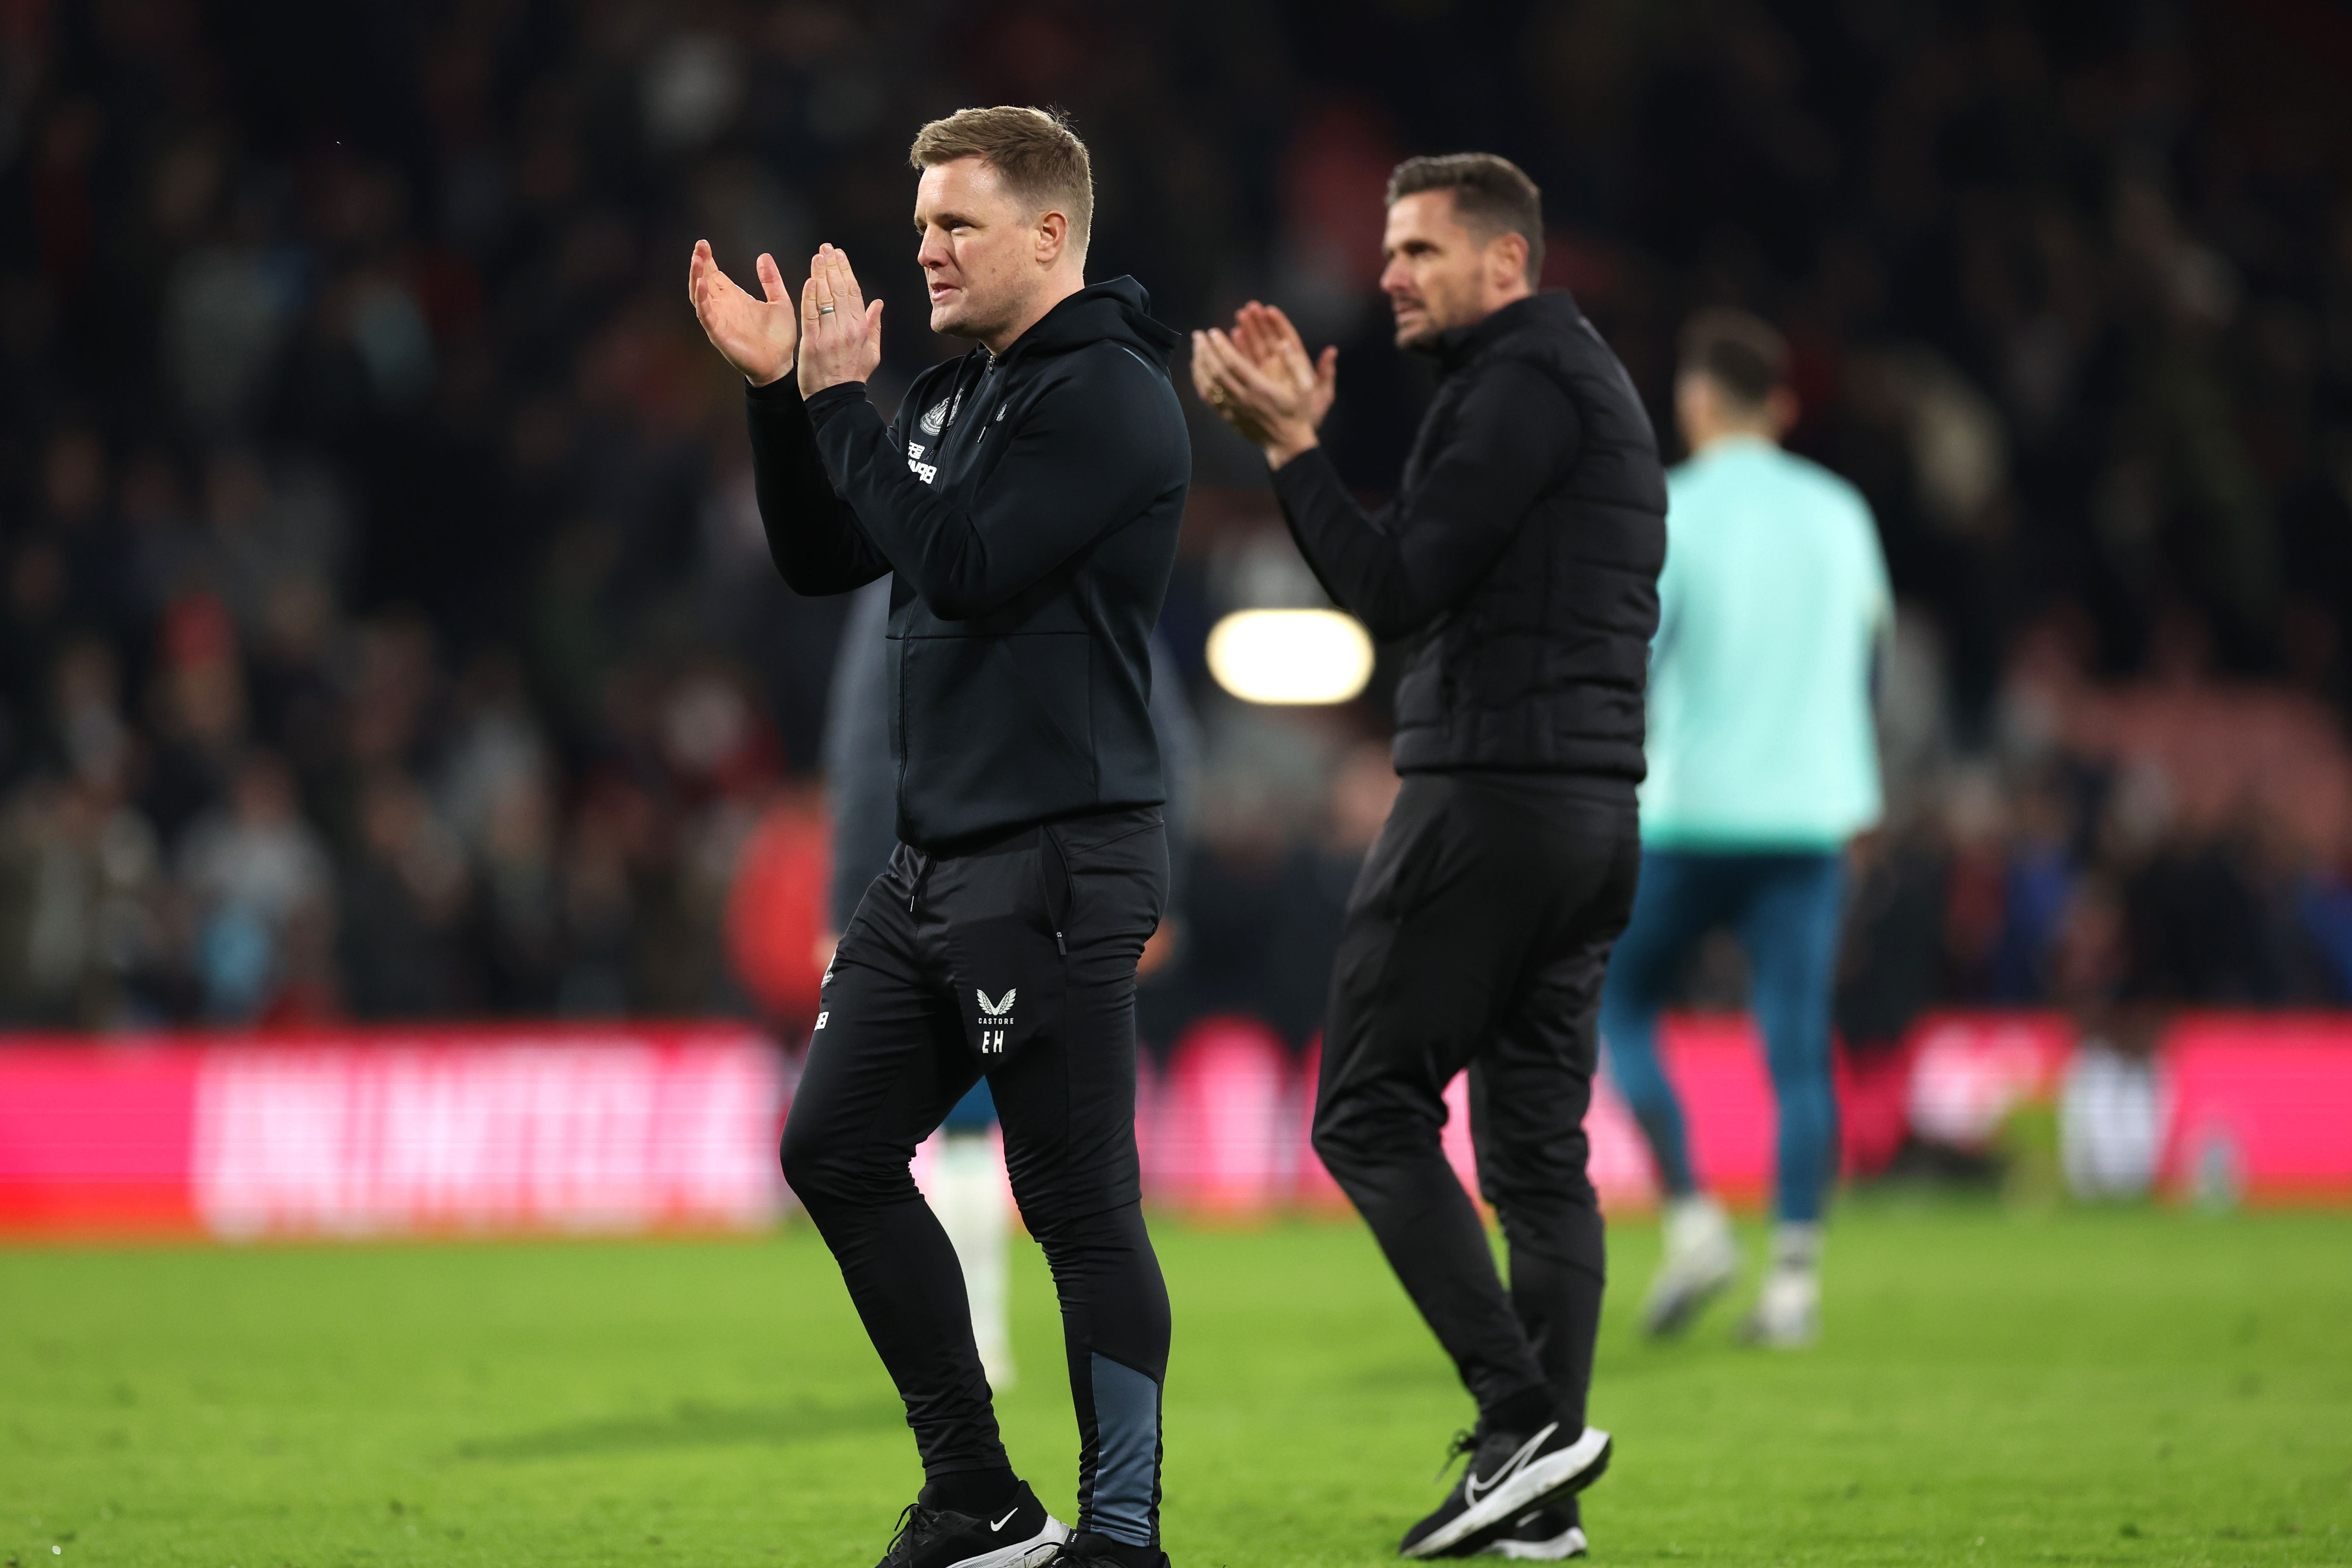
[1549, 1534]
[1091, 1547]
[1510, 1474]
[1026, 1536]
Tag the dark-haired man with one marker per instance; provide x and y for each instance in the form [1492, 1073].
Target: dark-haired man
[1763, 762]
[1521, 557]
[1026, 505]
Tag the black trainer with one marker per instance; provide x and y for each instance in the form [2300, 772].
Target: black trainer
[1551, 1533]
[1024, 1536]
[1510, 1474]
[1091, 1547]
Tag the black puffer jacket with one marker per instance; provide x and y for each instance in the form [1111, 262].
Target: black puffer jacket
[1522, 550]
[1026, 507]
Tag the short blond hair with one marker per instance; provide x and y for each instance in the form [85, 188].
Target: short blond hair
[1034, 150]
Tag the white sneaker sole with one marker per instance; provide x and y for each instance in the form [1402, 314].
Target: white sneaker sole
[1035, 1553]
[1555, 1476]
[1675, 1300]
[1568, 1543]
[1758, 1333]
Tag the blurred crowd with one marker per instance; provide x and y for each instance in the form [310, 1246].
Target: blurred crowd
[386, 629]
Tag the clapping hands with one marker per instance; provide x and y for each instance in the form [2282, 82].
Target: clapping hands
[756, 337]
[841, 335]
[1261, 381]
[834, 335]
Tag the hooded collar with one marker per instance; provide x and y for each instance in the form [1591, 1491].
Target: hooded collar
[1457, 346]
[1116, 309]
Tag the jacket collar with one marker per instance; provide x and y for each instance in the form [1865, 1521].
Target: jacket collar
[1116, 309]
[1457, 346]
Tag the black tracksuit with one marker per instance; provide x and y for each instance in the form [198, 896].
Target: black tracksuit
[1523, 553]
[1026, 507]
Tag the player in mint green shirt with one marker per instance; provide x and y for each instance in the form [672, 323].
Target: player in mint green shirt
[1762, 763]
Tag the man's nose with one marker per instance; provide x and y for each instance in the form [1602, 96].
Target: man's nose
[1396, 277]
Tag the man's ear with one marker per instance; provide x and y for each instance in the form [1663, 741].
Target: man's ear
[1697, 405]
[1053, 237]
[1507, 260]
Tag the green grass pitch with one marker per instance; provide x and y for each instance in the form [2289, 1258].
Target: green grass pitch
[2127, 1387]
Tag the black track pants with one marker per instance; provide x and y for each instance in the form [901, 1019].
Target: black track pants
[1017, 960]
[1477, 936]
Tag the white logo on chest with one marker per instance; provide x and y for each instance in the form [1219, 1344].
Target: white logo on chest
[935, 417]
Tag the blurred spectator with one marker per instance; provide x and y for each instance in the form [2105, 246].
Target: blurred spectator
[1264, 901]
[351, 431]
[780, 932]
[197, 712]
[82, 933]
[253, 869]
[522, 932]
[2039, 880]
[599, 904]
[404, 907]
[2324, 903]
[1363, 787]
[1892, 964]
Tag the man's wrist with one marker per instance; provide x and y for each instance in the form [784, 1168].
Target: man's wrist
[1283, 449]
[827, 401]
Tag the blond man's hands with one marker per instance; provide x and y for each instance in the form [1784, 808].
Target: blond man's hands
[841, 335]
[758, 337]
[1261, 380]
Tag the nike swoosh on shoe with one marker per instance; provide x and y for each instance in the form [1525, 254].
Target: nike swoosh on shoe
[1472, 1488]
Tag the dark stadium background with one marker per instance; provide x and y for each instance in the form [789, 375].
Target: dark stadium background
[388, 634]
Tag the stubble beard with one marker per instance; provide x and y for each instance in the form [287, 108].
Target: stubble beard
[1421, 334]
[973, 318]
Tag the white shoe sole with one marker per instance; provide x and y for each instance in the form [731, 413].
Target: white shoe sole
[1568, 1543]
[1673, 1301]
[1555, 1476]
[1035, 1553]
[1758, 1334]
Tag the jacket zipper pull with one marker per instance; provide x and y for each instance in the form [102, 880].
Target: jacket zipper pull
[1059, 946]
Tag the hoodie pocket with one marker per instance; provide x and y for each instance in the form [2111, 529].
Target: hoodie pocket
[1000, 719]
[1051, 678]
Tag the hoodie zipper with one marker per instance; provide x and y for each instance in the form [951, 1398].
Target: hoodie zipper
[980, 398]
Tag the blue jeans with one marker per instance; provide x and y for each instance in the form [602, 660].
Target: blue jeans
[1785, 908]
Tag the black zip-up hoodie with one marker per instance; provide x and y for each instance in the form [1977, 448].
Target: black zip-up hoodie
[1028, 505]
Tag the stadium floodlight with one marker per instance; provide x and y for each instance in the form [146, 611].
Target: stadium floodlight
[1294, 657]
